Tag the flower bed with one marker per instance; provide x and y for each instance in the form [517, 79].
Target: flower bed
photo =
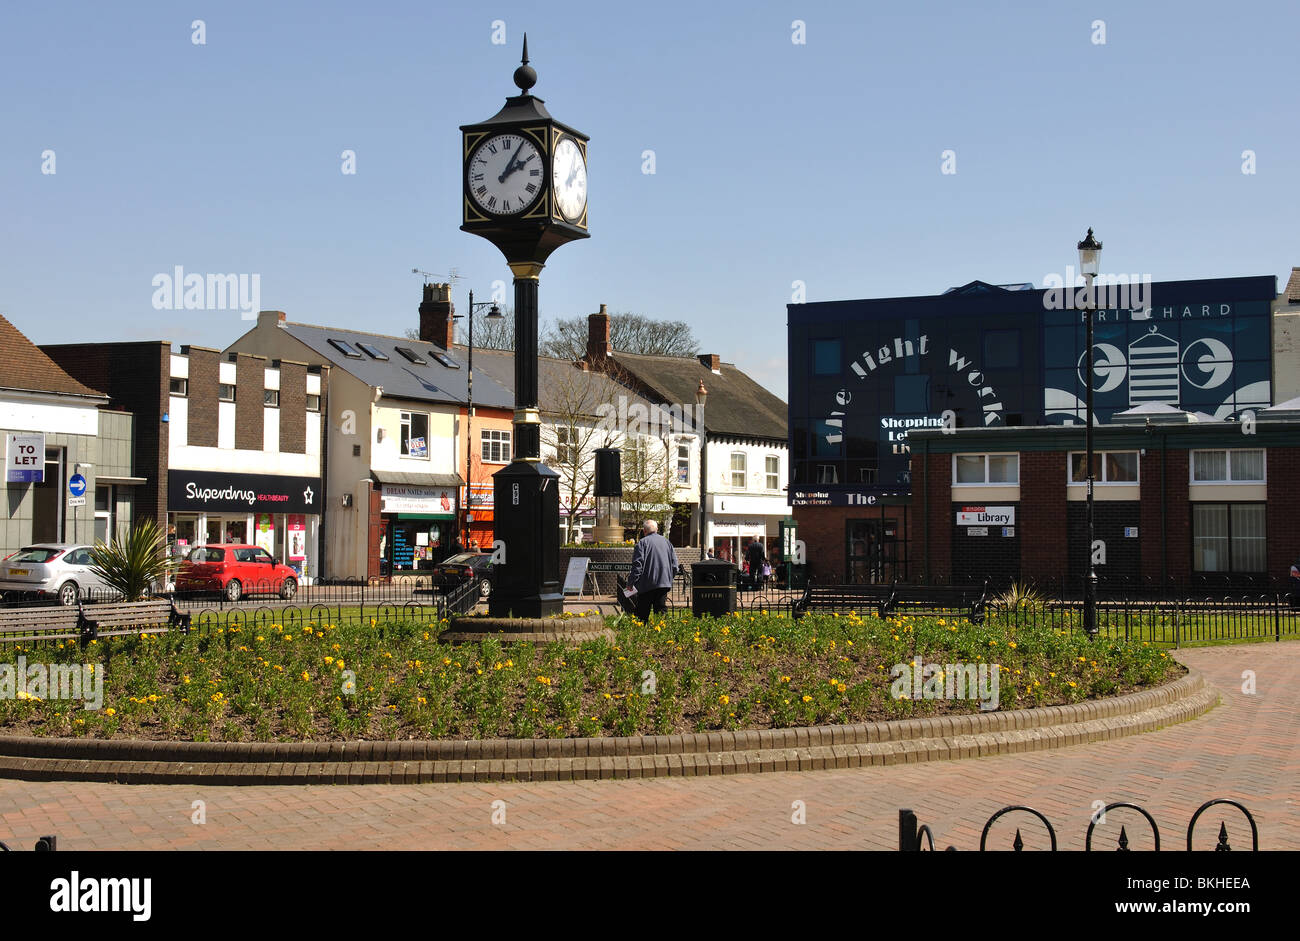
[325, 681]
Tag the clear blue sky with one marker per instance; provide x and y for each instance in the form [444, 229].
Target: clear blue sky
[775, 162]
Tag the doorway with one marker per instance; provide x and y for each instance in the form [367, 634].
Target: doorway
[862, 552]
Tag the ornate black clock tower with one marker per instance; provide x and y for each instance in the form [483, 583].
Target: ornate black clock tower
[525, 191]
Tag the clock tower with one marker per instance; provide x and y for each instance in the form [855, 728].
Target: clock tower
[525, 190]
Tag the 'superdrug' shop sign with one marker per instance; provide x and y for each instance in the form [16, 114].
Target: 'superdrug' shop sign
[216, 492]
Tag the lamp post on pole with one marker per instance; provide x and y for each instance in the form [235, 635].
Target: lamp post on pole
[493, 314]
[701, 397]
[1089, 264]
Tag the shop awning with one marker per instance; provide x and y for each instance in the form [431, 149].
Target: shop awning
[416, 480]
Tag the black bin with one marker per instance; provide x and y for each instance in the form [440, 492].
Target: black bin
[714, 584]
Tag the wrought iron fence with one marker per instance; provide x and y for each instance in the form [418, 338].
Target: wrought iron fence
[911, 830]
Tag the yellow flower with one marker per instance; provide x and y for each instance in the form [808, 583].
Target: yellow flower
[328, 661]
[785, 679]
[807, 699]
[305, 676]
[1071, 683]
[724, 699]
[1011, 644]
[110, 711]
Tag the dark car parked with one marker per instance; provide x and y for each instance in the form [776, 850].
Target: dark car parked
[465, 567]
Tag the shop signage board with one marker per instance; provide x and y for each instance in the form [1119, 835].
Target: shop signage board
[986, 516]
[25, 459]
[222, 492]
[410, 498]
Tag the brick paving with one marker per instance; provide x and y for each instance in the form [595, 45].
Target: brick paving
[1247, 749]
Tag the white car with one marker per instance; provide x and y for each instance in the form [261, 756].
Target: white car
[59, 570]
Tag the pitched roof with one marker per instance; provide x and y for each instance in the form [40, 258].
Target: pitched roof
[737, 405]
[562, 386]
[428, 381]
[24, 366]
[1292, 290]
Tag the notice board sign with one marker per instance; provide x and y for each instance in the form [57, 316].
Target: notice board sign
[25, 459]
[576, 575]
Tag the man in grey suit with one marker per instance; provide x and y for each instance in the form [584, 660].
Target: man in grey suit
[654, 563]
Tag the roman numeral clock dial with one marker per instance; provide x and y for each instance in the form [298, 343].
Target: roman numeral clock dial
[505, 174]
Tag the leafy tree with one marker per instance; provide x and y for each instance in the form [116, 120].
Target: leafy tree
[566, 338]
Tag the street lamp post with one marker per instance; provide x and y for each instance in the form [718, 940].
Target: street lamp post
[701, 397]
[493, 314]
[1089, 264]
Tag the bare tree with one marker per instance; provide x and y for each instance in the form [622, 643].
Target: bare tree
[648, 488]
[566, 338]
[571, 432]
[489, 334]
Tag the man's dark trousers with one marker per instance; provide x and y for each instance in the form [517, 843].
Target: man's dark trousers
[655, 599]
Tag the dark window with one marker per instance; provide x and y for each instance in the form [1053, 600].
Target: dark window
[344, 347]
[444, 359]
[313, 403]
[1229, 537]
[413, 356]
[271, 398]
[826, 357]
[373, 351]
[226, 392]
[180, 387]
[1001, 349]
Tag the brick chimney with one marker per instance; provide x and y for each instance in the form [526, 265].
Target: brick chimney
[712, 361]
[436, 325]
[598, 336]
[274, 318]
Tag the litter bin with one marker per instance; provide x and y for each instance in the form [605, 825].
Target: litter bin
[714, 584]
[796, 576]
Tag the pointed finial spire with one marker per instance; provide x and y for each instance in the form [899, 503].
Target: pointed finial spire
[525, 75]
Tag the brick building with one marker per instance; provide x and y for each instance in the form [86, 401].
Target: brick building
[1000, 367]
[210, 430]
[1177, 500]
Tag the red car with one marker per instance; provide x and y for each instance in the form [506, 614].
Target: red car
[235, 571]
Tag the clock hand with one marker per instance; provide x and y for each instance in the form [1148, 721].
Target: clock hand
[510, 165]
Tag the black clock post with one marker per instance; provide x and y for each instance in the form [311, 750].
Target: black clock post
[525, 191]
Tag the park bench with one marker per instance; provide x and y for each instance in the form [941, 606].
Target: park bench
[43, 623]
[87, 622]
[967, 602]
[841, 598]
[131, 617]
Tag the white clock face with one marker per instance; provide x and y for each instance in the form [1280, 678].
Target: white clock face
[569, 179]
[505, 174]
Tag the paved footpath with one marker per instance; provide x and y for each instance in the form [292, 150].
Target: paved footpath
[1246, 749]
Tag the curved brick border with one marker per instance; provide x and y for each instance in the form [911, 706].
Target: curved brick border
[418, 762]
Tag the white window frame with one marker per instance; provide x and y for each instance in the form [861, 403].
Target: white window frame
[772, 478]
[986, 482]
[499, 441]
[683, 464]
[404, 436]
[743, 471]
[1191, 468]
[1101, 459]
[566, 441]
